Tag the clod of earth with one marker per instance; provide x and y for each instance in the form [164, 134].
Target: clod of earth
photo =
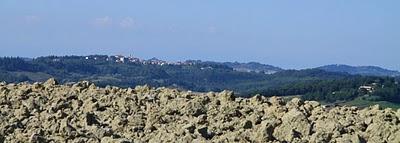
[82, 112]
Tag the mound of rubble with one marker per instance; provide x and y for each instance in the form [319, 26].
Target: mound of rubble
[82, 112]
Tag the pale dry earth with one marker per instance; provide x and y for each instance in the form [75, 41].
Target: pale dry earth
[84, 113]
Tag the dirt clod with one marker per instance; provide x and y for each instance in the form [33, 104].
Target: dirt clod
[82, 112]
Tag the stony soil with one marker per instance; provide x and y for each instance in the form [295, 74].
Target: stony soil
[82, 112]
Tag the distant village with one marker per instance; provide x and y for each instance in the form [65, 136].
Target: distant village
[241, 67]
[131, 59]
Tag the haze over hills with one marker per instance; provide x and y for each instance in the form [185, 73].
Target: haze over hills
[341, 68]
[354, 70]
[244, 67]
[360, 70]
[270, 69]
[253, 67]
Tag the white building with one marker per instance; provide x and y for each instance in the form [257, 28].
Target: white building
[366, 88]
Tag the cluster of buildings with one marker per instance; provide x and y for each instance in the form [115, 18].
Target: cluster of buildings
[367, 88]
[131, 59]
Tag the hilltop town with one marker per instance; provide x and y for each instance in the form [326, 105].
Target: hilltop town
[236, 66]
[132, 59]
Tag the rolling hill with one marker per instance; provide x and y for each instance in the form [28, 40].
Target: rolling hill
[361, 70]
[253, 67]
[312, 84]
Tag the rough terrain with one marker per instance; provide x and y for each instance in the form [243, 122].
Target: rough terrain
[82, 112]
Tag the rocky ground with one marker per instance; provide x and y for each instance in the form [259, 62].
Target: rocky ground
[82, 112]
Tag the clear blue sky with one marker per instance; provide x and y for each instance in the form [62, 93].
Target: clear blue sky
[285, 33]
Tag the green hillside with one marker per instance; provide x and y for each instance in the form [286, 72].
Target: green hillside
[312, 84]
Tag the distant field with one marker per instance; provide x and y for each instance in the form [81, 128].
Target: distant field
[359, 102]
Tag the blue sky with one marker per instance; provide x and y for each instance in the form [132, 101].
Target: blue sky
[289, 34]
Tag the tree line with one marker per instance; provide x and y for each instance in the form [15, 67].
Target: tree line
[312, 84]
